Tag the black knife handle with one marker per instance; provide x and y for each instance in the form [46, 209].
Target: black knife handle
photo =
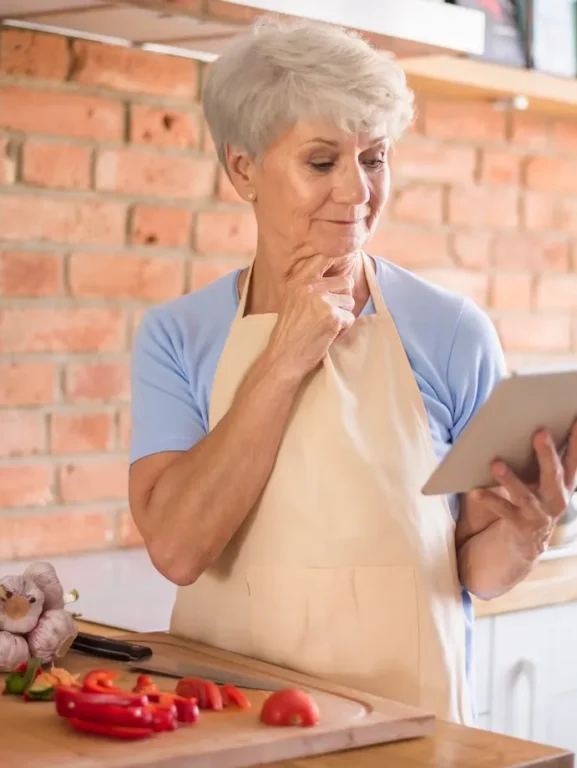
[110, 648]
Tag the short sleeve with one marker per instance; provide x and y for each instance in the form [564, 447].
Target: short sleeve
[476, 364]
[165, 416]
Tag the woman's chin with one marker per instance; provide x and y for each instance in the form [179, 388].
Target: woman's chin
[342, 245]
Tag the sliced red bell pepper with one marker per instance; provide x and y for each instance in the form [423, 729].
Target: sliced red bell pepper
[145, 684]
[100, 681]
[65, 696]
[231, 695]
[134, 717]
[206, 693]
[186, 710]
[105, 729]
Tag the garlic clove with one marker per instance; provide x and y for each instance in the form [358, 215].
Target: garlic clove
[53, 635]
[44, 575]
[13, 651]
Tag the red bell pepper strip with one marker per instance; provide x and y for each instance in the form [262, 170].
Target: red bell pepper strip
[105, 729]
[186, 710]
[100, 681]
[144, 684]
[65, 695]
[232, 695]
[134, 717]
[206, 693]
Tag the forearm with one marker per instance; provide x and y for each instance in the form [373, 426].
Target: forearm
[494, 560]
[204, 495]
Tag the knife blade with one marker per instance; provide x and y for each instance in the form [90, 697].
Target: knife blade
[164, 665]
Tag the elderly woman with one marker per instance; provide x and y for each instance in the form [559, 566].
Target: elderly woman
[286, 416]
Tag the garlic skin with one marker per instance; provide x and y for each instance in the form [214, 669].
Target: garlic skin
[53, 635]
[13, 651]
[44, 575]
[21, 603]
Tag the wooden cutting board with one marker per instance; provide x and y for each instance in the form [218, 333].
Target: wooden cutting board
[35, 737]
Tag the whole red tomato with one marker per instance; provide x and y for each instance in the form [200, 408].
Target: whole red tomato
[289, 707]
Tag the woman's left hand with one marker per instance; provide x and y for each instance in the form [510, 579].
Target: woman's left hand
[530, 512]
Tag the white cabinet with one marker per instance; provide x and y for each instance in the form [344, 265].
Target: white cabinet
[526, 669]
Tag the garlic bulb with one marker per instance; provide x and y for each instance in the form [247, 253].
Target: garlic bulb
[21, 603]
[13, 651]
[53, 635]
[45, 576]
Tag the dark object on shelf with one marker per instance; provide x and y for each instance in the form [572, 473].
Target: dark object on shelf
[504, 39]
[550, 27]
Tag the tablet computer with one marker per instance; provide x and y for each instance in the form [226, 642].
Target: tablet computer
[504, 427]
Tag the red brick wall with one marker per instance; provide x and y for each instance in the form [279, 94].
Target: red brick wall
[111, 200]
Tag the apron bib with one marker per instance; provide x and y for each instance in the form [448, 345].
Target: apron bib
[343, 569]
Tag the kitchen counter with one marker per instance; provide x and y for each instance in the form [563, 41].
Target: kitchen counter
[449, 746]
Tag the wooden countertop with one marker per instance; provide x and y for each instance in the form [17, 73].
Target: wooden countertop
[551, 582]
[450, 746]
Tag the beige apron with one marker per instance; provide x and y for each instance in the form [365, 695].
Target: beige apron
[343, 570]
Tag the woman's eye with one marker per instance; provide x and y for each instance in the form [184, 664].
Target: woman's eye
[324, 165]
[377, 162]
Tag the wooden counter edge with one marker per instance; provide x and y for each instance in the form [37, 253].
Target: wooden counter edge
[450, 746]
[551, 582]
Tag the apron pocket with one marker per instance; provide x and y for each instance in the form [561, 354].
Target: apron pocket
[357, 626]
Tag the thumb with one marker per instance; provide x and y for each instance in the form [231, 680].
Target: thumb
[311, 267]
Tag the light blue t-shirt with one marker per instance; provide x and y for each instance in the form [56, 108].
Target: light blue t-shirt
[451, 344]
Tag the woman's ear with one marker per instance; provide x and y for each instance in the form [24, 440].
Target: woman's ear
[241, 171]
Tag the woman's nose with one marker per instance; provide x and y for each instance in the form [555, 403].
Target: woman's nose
[351, 187]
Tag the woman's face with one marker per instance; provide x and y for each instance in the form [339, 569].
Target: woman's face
[321, 187]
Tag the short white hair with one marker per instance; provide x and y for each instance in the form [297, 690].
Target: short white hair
[280, 73]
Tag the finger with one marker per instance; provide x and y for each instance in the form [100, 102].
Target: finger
[309, 266]
[495, 501]
[341, 266]
[570, 460]
[340, 301]
[520, 494]
[551, 475]
[346, 319]
[341, 284]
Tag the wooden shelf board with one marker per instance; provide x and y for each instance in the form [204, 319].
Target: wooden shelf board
[451, 77]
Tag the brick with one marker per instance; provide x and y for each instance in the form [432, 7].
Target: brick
[72, 432]
[531, 251]
[556, 292]
[226, 192]
[125, 429]
[128, 534]
[25, 485]
[411, 248]
[137, 315]
[97, 382]
[105, 275]
[62, 221]
[564, 136]
[135, 172]
[62, 533]
[551, 174]
[205, 271]
[22, 432]
[530, 332]
[418, 203]
[56, 113]
[27, 383]
[28, 274]
[475, 285]
[46, 164]
[484, 206]
[544, 211]
[160, 226]
[7, 163]
[499, 167]
[433, 161]
[463, 120]
[472, 248]
[511, 291]
[49, 329]
[226, 232]
[94, 481]
[133, 71]
[34, 54]
[530, 130]
[163, 127]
